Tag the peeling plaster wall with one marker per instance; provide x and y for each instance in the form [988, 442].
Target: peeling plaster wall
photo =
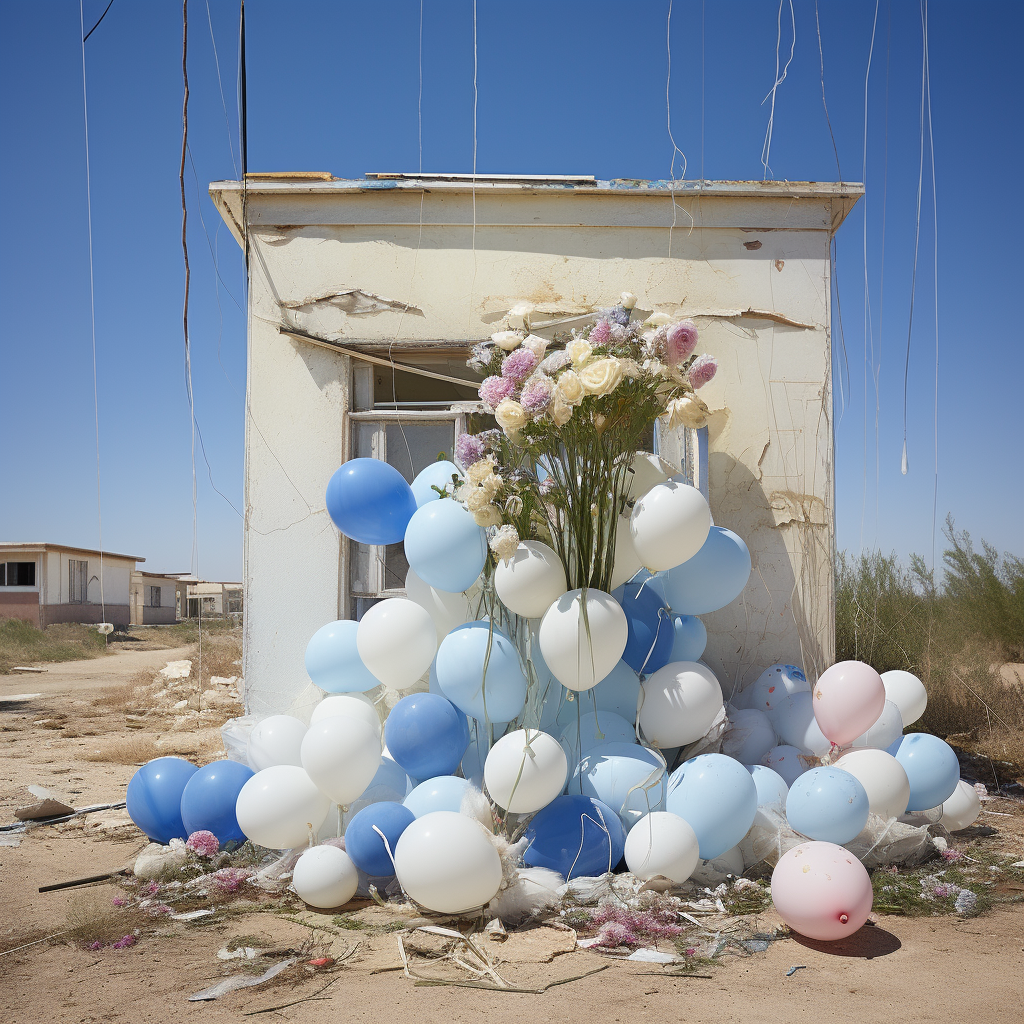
[359, 267]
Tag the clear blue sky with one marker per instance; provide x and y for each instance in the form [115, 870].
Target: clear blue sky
[566, 87]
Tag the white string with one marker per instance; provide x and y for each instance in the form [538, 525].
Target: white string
[935, 272]
[92, 312]
[476, 97]
[767, 147]
[220, 85]
[419, 99]
[675, 149]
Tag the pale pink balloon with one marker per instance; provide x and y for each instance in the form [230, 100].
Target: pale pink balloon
[822, 891]
[848, 698]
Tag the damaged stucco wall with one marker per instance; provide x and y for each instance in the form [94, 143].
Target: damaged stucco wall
[408, 265]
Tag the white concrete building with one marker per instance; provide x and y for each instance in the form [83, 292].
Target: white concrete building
[156, 597]
[419, 268]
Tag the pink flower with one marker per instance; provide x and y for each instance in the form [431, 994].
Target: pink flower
[153, 888]
[95, 945]
[702, 370]
[614, 934]
[119, 901]
[230, 879]
[951, 854]
[468, 449]
[518, 365]
[128, 940]
[618, 335]
[203, 843]
[537, 395]
[600, 333]
[495, 389]
[680, 341]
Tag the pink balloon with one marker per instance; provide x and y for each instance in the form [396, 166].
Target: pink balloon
[822, 891]
[848, 698]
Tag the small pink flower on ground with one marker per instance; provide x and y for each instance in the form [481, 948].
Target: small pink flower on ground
[518, 365]
[120, 901]
[702, 370]
[612, 934]
[153, 888]
[203, 843]
[495, 389]
[951, 854]
[230, 879]
[600, 333]
[128, 940]
[680, 341]
[95, 945]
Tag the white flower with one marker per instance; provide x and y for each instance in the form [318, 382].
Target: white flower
[602, 376]
[480, 471]
[477, 499]
[511, 416]
[579, 351]
[508, 340]
[627, 300]
[487, 516]
[504, 543]
[560, 410]
[630, 367]
[686, 411]
[492, 484]
[570, 388]
[519, 315]
[538, 346]
[658, 319]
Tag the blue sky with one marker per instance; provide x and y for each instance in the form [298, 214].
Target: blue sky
[567, 87]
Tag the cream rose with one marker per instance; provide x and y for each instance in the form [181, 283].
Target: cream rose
[538, 346]
[570, 388]
[477, 499]
[480, 471]
[602, 376]
[658, 319]
[511, 416]
[519, 314]
[487, 516]
[508, 340]
[579, 351]
[560, 410]
[627, 300]
[687, 411]
[504, 543]
[492, 484]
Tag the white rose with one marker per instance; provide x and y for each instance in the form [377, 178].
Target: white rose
[627, 300]
[570, 388]
[504, 543]
[602, 376]
[560, 410]
[538, 346]
[579, 351]
[487, 516]
[508, 340]
[686, 411]
[480, 471]
[477, 499]
[519, 314]
[492, 484]
[511, 416]
[658, 319]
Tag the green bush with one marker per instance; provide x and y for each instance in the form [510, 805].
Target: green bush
[23, 644]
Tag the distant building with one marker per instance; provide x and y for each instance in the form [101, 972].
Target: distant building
[157, 598]
[47, 583]
[212, 599]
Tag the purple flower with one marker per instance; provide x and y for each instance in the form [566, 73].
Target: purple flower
[95, 945]
[494, 389]
[617, 315]
[951, 854]
[119, 901]
[230, 879]
[203, 843]
[600, 333]
[680, 341]
[468, 449]
[518, 365]
[702, 370]
[537, 395]
[618, 335]
[128, 940]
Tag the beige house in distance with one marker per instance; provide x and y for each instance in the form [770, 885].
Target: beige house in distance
[157, 598]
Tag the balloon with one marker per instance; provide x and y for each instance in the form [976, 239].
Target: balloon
[352, 705]
[775, 683]
[575, 835]
[587, 732]
[644, 472]
[397, 641]
[931, 767]
[886, 730]
[689, 640]
[363, 841]
[209, 797]
[907, 692]
[437, 474]
[446, 863]
[427, 735]
[629, 778]
[525, 771]
[626, 563]
[531, 580]
[962, 808]
[679, 703]
[882, 777]
[711, 872]
[582, 642]
[445, 546]
[154, 798]
[275, 740]
[447, 610]
[848, 698]
[669, 524]
[789, 762]
[827, 804]
[649, 636]
[325, 877]
[333, 662]
[793, 719]
[748, 736]
[389, 783]
[369, 501]
[444, 793]
[771, 790]
[498, 696]
[619, 692]
[822, 891]
[341, 755]
[277, 806]
[713, 578]
[662, 844]
[718, 798]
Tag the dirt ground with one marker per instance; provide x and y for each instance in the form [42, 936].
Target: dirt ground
[77, 738]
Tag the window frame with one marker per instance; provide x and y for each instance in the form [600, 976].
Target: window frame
[79, 594]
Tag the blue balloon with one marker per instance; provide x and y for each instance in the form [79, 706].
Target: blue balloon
[717, 796]
[209, 797]
[771, 787]
[827, 804]
[154, 798]
[370, 502]
[618, 693]
[575, 835]
[444, 793]
[391, 783]
[437, 474]
[444, 545]
[713, 578]
[931, 767]
[691, 637]
[366, 847]
[333, 662]
[585, 733]
[497, 697]
[629, 778]
[649, 636]
[427, 735]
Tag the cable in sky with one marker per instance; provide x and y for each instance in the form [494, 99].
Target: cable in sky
[766, 149]
[97, 25]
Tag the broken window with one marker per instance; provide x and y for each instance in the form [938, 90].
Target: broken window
[154, 597]
[17, 574]
[78, 581]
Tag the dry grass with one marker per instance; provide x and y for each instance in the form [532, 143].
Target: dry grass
[126, 750]
[94, 918]
[123, 696]
[24, 644]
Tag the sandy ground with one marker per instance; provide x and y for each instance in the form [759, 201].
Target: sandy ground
[910, 969]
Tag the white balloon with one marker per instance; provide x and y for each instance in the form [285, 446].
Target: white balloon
[882, 777]
[886, 730]
[531, 580]
[275, 740]
[961, 810]
[446, 863]
[669, 524]
[397, 641]
[341, 755]
[907, 692]
[748, 736]
[447, 610]
[581, 652]
[662, 843]
[678, 704]
[354, 705]
[774, 684]
[277, 807]
[627, 562]
[787, 761]
[325, 877]
[793, 720]
[525, 770]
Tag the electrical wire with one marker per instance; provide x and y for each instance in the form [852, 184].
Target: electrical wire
[97, 25]
[935, 272]
[766, 149]
[668, 123]
[220, 86]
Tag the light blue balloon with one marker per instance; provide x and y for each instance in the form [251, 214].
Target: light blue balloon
[390, 783]
[771, 788]
[691, 637]
[437, 474]
[587, 732]
[713, 578]
[478, 749]
[629, 778]
[718, 798]
[618, 693]
[333, 662]
[497, 697]
[444, 546]
[931, 767]
[827, 804]
[444, 793]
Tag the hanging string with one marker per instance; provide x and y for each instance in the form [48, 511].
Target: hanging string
[419, 98]
[935, 272]
[676, 151]
[767, 147]
[220, 86]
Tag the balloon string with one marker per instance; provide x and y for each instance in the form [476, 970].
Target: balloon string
[387, 846]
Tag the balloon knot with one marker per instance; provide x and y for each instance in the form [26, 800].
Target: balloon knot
[844, 918]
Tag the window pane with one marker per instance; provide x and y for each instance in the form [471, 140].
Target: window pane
[362, 439]
[396, 568]
[413, 446]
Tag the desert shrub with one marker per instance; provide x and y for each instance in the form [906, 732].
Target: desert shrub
[22, 643]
